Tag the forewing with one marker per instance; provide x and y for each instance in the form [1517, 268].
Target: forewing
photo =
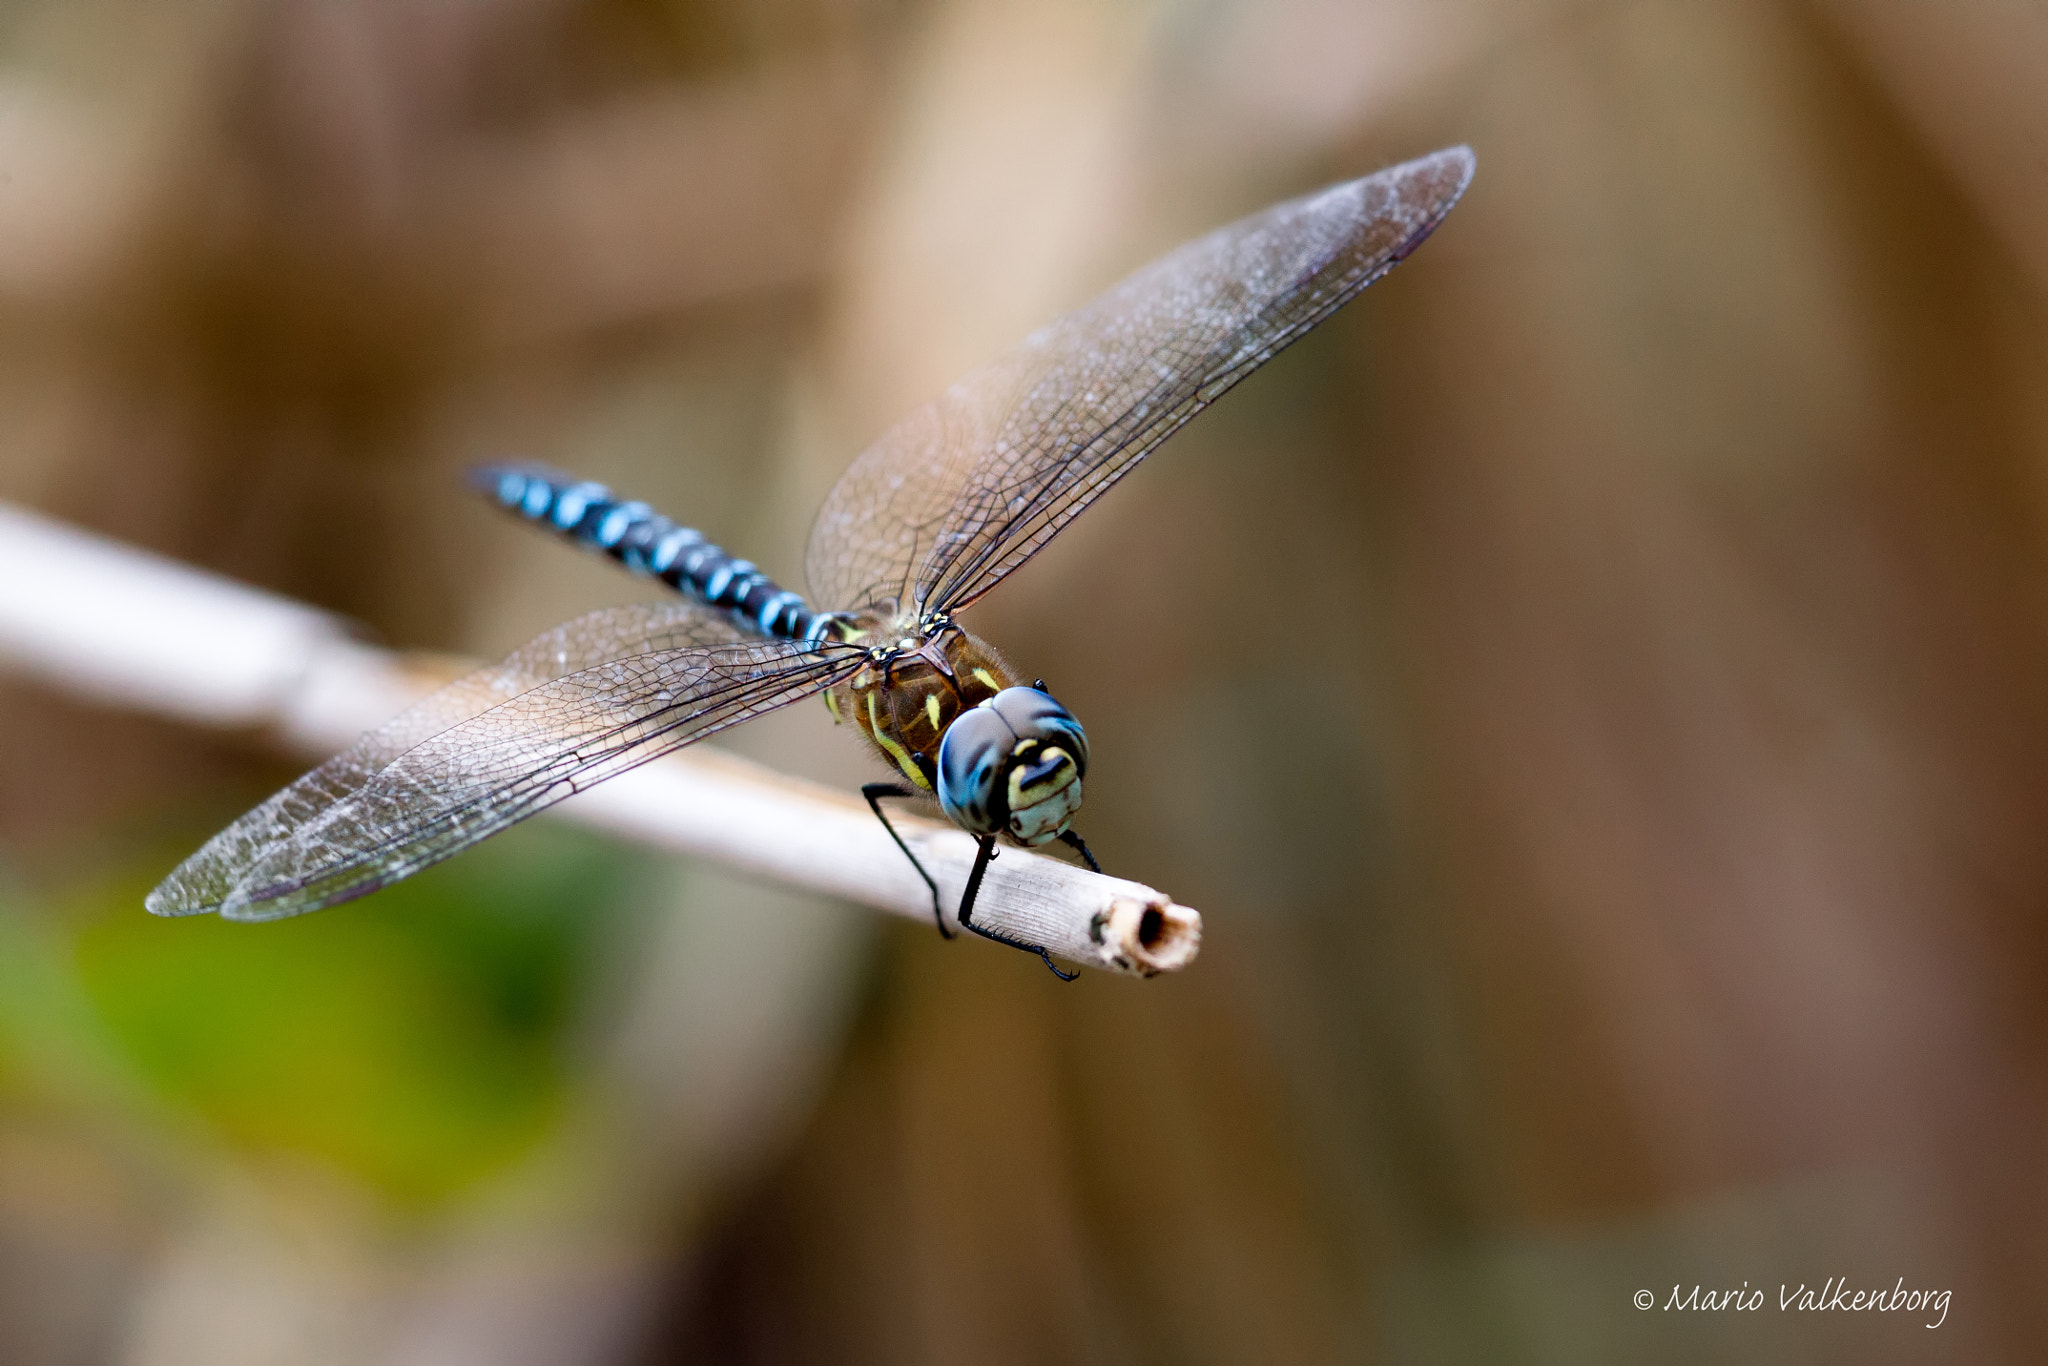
[203, 881]
[970, 486]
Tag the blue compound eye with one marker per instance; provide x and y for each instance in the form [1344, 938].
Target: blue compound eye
[1013, 766]
[1035, 715]
[973, 750]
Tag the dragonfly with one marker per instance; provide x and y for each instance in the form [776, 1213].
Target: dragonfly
[933, 515]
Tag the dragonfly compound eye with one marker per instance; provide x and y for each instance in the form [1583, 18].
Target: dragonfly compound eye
[1013, 765]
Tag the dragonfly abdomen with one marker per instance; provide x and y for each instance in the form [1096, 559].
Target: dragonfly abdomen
[652, 545]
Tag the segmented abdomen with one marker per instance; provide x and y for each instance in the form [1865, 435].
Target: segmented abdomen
[648, 543]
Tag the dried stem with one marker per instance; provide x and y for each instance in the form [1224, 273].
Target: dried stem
[111, 622]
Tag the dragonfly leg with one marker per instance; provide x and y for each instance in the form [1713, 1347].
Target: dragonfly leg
[1069, 837]
[986, 851]
[874, 792]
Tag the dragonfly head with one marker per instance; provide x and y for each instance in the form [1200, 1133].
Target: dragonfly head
[1013, 766]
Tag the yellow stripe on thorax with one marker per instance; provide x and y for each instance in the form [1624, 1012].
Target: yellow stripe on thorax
[892, 748]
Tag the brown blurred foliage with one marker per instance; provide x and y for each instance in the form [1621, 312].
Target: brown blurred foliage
[1596, 688]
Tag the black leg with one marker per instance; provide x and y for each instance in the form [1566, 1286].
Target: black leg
[874, 792]
[1069, 837]
[985, 851]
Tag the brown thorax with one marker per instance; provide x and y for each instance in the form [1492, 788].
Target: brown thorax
[910, 690]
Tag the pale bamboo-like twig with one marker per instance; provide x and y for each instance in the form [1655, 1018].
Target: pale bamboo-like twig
[121, 625]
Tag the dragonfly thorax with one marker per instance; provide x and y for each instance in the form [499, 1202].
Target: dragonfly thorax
[1014, 770]
[918, 678]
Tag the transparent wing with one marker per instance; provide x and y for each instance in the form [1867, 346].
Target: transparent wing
[481, 775]
[970, 486]
[209, 879]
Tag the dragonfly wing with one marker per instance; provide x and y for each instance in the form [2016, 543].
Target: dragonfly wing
[202, 883]
[970, 486]
[479, 776]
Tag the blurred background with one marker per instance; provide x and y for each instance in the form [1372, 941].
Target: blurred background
[1620, 844]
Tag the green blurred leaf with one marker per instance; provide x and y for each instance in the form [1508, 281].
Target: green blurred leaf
[412, 1038]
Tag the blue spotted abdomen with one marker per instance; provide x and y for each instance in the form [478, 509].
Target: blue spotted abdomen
[648, 543]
